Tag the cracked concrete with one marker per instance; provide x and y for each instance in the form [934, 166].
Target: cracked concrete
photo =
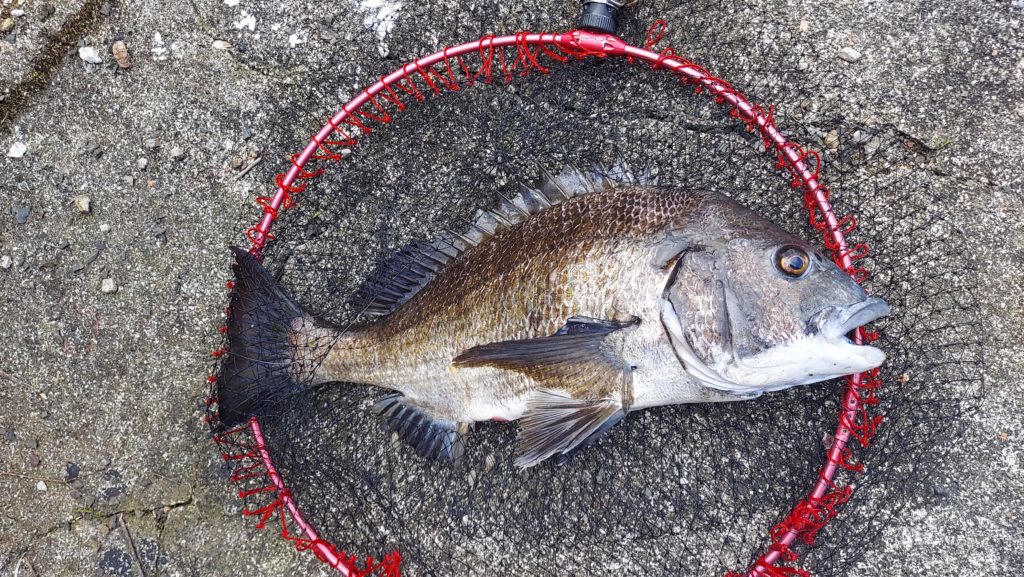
[37, 45]
[99, 423]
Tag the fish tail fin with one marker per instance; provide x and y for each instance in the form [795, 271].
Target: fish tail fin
[265, 362]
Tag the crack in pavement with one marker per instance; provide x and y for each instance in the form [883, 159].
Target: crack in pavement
[49, 60]
[160, 513]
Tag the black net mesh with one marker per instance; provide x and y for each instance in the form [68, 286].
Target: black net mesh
[679, 490]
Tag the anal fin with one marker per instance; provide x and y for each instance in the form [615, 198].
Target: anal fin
[430, 437]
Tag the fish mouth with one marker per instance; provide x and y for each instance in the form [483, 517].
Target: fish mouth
[826, 351]
[837, 322]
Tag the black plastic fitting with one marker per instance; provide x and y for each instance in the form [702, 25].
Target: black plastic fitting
[600, 15]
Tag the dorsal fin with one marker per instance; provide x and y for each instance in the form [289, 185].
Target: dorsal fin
[413, 267]
[405, 273]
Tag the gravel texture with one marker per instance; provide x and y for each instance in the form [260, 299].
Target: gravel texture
[105, 466]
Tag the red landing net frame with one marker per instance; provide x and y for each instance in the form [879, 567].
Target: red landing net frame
[508, 57]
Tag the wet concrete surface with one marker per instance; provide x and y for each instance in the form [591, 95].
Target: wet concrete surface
[108, 316]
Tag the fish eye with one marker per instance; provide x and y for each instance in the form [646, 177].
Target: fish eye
[793, 261]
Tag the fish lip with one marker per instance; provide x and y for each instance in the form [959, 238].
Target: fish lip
[837, 322]
[829, 329]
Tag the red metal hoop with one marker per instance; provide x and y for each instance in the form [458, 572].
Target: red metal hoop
[518, 55]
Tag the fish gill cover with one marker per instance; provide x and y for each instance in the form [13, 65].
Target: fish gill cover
[676, 490]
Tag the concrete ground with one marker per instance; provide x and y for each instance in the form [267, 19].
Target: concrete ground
[108, 314]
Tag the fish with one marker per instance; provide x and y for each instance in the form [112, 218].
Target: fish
[587, 297]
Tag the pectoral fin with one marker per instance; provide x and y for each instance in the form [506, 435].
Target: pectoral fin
[557, 424]
[577, 358]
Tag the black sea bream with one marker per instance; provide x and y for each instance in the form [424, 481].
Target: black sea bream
[565, 309]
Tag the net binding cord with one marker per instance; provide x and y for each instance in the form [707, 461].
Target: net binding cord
[503, 59]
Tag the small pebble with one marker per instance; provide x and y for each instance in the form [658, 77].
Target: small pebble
[104, 227]
[17, 150]
[872, 146]
[90, 55]
[108, 286]
[17, 12]
[832, 140]
[849, 54]
[21, 214]
[151, 143]
[32, 444]
[121, 55]
[236, 163]
[40, 486]
[129, 180]
[142, 163]
[73, 470]
[9, 435]
[177, 153]
[34, 460]
[7, 25]
[82, 203]
[5, 262]
[221, 45]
